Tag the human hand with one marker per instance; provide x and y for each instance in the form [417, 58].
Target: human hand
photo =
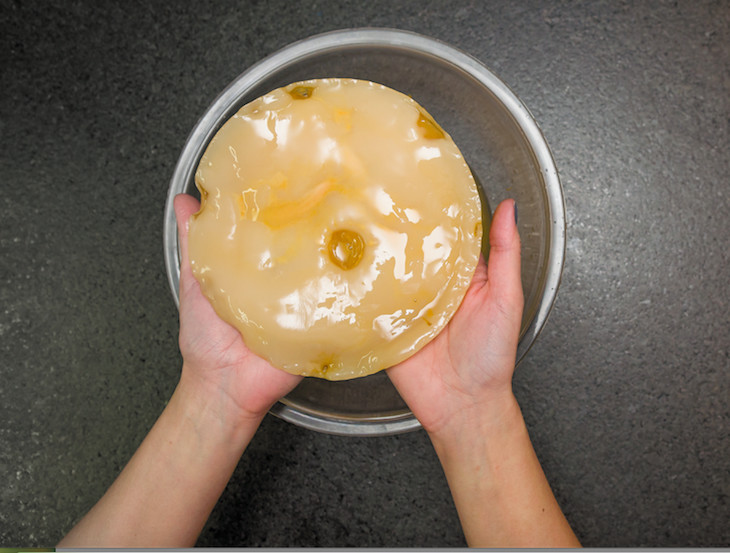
[459, 386]
[215, 359]
[467, 369]
[224, 392]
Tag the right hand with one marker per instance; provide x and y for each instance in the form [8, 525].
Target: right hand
[467, 369]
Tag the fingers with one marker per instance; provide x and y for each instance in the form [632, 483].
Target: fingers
[503, 268]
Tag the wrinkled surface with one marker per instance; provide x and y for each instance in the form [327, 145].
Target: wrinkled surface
[339, 229]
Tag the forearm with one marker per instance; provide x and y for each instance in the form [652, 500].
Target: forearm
[167, 490]
[500, 491]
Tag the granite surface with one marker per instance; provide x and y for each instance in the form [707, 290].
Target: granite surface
[625, 393]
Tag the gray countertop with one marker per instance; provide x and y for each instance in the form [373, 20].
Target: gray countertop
[625, 393]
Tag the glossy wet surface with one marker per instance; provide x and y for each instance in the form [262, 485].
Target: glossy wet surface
[625, 393]
[340, 227]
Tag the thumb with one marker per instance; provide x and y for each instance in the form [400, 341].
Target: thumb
[503, 266]
[185, 206]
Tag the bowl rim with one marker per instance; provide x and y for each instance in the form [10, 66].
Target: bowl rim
[217, 111]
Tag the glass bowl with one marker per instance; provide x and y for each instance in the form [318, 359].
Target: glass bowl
[499, 139]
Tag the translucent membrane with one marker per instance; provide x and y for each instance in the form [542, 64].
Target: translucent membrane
[339, 229]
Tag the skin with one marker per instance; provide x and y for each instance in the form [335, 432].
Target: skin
[166, 492]
[458, 386]
[460, 389]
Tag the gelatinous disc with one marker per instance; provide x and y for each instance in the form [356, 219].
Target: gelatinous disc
[339, 229]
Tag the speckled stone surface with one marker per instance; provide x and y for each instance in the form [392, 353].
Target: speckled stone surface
[625, 393]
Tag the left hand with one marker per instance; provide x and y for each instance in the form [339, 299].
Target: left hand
[216, 362]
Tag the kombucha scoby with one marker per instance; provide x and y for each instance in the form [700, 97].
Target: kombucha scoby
[339, 227]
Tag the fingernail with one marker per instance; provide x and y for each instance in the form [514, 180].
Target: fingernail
[516, 215]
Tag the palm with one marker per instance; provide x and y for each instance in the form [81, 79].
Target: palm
[214, 351]
[474, 355]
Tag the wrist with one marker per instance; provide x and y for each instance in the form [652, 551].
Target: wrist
[499, 489]
[488, 421]
[166, 492]
[213, 413]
